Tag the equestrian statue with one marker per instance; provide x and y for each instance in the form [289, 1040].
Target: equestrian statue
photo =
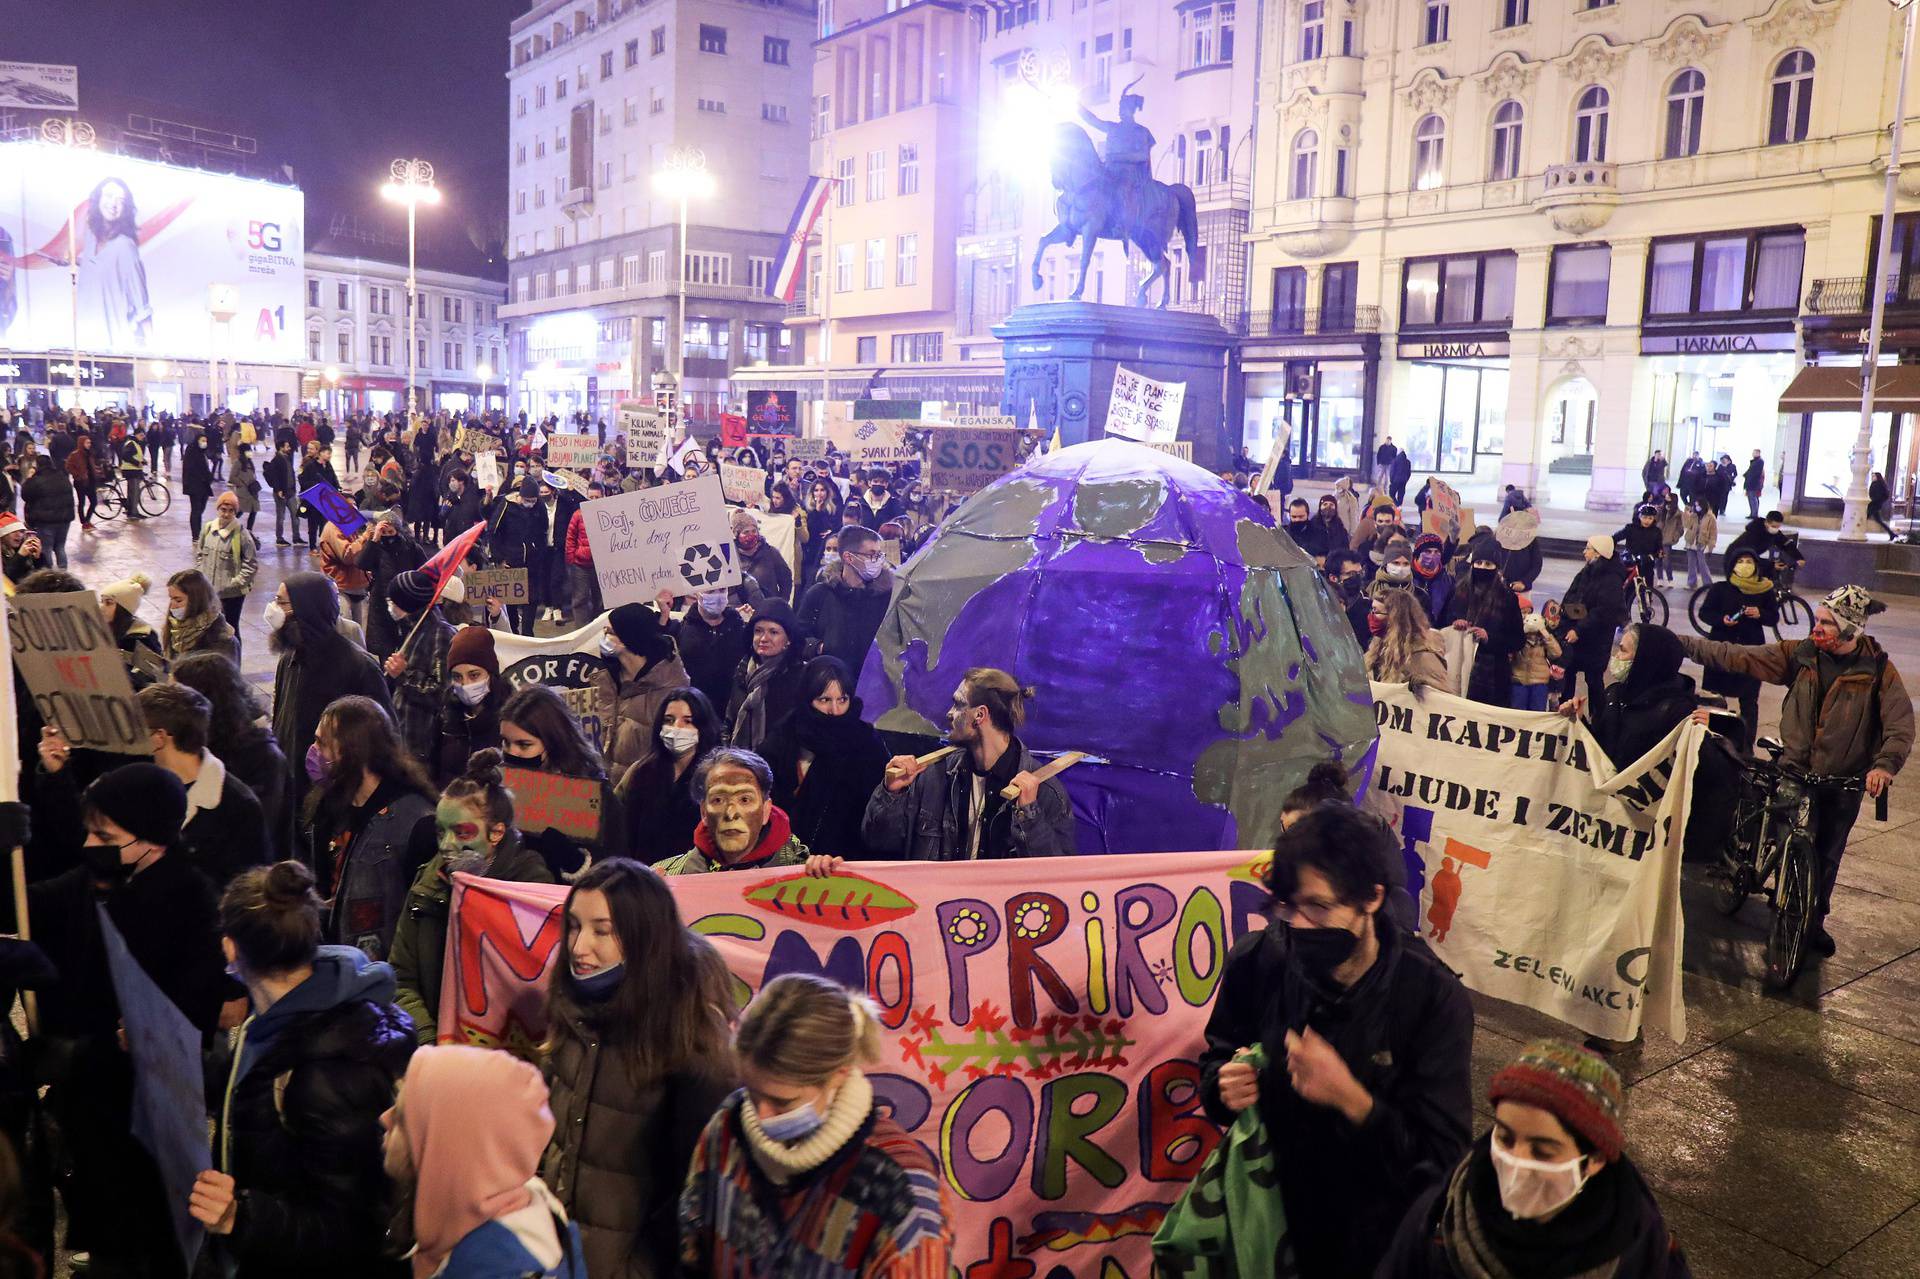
[1112, 196]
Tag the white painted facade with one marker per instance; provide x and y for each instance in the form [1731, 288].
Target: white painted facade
[355, 339]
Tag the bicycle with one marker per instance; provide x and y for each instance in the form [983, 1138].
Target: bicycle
[1793, 616]
[111, 498]
[1771, 850]
[1646, 603]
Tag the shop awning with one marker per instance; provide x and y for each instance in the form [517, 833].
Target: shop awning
[1835, 388]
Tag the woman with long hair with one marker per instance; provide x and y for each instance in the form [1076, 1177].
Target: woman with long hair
[637, 1058]
[658, 795]
[113, 281]
[826, 761]
[195, 623]
[369, 794]
[766, 685]
[823, 521]
[539, 730]
[1405, 650]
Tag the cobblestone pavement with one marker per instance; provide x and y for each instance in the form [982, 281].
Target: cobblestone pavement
[1781, 1136]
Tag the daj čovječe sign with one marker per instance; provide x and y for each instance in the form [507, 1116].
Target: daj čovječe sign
[672, 538]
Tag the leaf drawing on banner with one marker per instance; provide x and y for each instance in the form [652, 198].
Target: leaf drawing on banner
[990, 1047]
[1059, 1231]
[849, 902]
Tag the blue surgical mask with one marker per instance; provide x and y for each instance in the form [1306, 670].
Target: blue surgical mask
[794, 1125]
[597, 988]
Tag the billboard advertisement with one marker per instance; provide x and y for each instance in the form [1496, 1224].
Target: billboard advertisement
[154, 244]
[39, 86]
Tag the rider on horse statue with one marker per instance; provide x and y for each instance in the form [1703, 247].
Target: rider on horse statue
[1128, 150]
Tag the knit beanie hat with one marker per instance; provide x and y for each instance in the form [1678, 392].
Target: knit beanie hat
[1397, 548]
[639, 629]
[473, 646]
[128, 592]
[145, 800]
[1601, 544]
[411, 590]
[1851, 606]
[781, 614]
[1577, 1087]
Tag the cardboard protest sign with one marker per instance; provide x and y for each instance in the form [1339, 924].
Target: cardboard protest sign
[486, 472]
[965, 459]
[508, 585]
[72, 665]
[647, 433]
[1183, 449]
[801, 449]
[332, 504]
[746, 485]
[554, 801]
[1041, 1041]
[564, 663]
[1001, 421]
[1143, 409]
[472, 440]
[890, 548]
[572, 452]
[1544, 873]
[873, 441]
[1443, 498]
[672, 538]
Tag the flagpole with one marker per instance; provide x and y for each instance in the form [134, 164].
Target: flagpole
[826, 280]
[16, 818]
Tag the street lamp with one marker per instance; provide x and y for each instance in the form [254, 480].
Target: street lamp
[412, 185]
[684, 177]
[73, 134]
[332, 374]
[485, 371]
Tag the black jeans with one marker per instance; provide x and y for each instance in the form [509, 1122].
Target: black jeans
[1834, 812]
[89, 500]
[196, 512]
[230, 605]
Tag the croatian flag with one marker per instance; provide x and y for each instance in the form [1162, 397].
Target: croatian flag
[813, 199]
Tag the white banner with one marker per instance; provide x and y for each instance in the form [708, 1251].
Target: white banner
[672, 538]
[1544, 877]
[564, 663]
[39, 86]
[1143, 409]
[152, 241]
[572, 452]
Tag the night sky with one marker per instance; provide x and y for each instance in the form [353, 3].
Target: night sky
[335, 88]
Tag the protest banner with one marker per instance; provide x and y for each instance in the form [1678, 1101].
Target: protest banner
[1444, 499]
[965, 459]
[508, 585]
[733, 431]
[334, 506]
[802, 449]
[773, 412]
[572, 452]
[554, 801]
[486, 472]
[1543, 873]
[475, 441]
[564, 663]
[169, 1084]
[73, 668]
[746, 485]
[672, 538]
[873, 441]
[1143, 409]
[1042, 1042]
[1001, 421]
[647, 433]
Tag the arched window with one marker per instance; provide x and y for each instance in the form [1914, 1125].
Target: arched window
[1590, 126]
[1792, 104]
[1686, 100]
[1429, 152]
[1508, 120]
[1306, 166]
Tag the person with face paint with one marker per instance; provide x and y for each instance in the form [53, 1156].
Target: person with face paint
[297, 1190]
[116, 1207]
[539, 730]
[844, 612]
[1548, 1191]
[662, 811]
[1846, 713]
[804, 1170]
[1367, 1039]
[740, 826]
[473, 832]
[1592, 610]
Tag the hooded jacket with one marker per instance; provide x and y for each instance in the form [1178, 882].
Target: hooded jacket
[712, 651]
[845, 618]
[298, 1124]
[1594, 607]
[319, 666]
[768, 568]
[629, 708]
[849, 760]
[928, 820]
[1631, 717]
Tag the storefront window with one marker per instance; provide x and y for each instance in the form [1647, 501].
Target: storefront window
[1493, 411]
[1319, 407]
[1342, 414]
[1829, 468]
[1459, 414]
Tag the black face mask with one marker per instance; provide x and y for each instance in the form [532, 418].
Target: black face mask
[1485, 574]
[103, 863]
[1319, 951]
[1350, 586]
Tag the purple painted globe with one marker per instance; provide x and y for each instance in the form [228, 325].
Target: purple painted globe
[1166, 628]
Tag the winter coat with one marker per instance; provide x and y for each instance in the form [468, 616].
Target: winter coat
[420, 939]
[1594, 606]
[769, 568]
[375, 870]
[496, 1248]
[1726, 601]
[1427, 668]
[1701, 531]
[1531, 662]
[846, 618]
[421, 687]
[463, 730]
[461, 513]
[1755, 478]
[230, 558]
[196, 471]
[47, 498]
[1493, 608]
[1643, 542]
[1672, 525]
[782, 694]
[385, 558]
[298, 1114]
[628, 708]
[621, 1149]
[579, 551]
[308, 680]
[849, 759]
[216, 637]
[515, 533]
[246, 484]
[1629, 719]
[661, 810]
[712, 651]
[278, 472]
[1405, 1030]
[928, 820]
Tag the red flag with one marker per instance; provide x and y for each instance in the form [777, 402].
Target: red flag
[733, 430]
[443, 566]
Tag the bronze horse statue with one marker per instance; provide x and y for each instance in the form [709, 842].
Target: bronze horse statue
[1094, 204]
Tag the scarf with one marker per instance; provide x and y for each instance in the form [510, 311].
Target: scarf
[750, 725]
[1755, 585]
[782, 1162]
[830, 736]
[773, 838]
[186, 632]
[1585, 1241]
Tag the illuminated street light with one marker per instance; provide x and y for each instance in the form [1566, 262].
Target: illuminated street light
[412, 185]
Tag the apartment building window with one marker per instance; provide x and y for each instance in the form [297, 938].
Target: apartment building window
[1289, 313]
[906, 259]
[713, 106]
[773, 50]
[630, 111]
[1433, 26]
[606, 65]
[1313, 30]
[1596, 4]
[603, 274]
[343, 347]
[559, 142]
[539, 96]
[909, 168]
[709, 268]
[1102, 66]
[446, 309]
[1590, 126]
[1791, 107]
[632, 52]
[1342, 171]
[1686, 104]
[844, 179]
[1429, 152]
[563, 282]
[656, 102]
[876, 263]
[866, 350]
[657, 265]
[520, 153]
[559, 88]
[539, 148]
[1725, 272]
[1509, 121]
[341, 297]
[1206, 36]
[373, 350]
[822, 118]
[1339, 287]
[630, 271]
[1513, 13]
[421, 354]
[519, 104]
[843, 268]
[657, 41]
[759, 272]
[712, 39]
[1577, 288]
[606, 121]
[539, 197]
[313, 344]
[1468, 289]
[1306, 165]
[876, 175]
[773, 112]
[916, 348]
[313, 293]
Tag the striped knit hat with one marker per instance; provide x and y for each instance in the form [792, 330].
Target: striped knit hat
[1574, 1085]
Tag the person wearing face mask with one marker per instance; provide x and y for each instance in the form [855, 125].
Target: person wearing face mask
[1644, 696]
[1432, 584]
[844, 613]
[1395, 569]
[740, 826]
[712, 639]
[637, 1058]
[638, 668]
[658, 794]
[1367, 1040]
[547, 575]
[116, 1206]
[1548, 1192]
[759, 560]
[1593, 608]
[1309, 534]
[316, 664]
[472, 831]
[1739, 611]
[583, 584]
[539, 730]
[1846, 713]
[470, 703]
[826, 761]
[297, 1190]
[196, 480]
[823, 521]
[1767, 538]
[194, 624]
[880, 502]
[1486, 606]
[766, 684]
[515, 537]
[803, 1170]
[1402, 648]
[417, 670]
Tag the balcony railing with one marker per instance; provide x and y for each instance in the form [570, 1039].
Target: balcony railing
[1310, 322]
[1855, 296]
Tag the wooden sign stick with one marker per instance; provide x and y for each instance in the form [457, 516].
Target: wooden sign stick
[930, 757]
[1047, 772]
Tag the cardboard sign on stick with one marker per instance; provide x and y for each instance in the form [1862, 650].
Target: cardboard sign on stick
[73, 668]
[553, 801]
[572, 452]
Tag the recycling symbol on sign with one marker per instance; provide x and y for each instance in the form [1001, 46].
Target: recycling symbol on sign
[701, 565]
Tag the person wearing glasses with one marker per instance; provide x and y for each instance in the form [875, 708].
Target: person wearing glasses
[844, 611]
[1367, 1037]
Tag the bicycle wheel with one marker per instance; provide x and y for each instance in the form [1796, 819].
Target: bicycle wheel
[1695, 606]
[108, 501]
[1795, 621]
[1653, 606]
[155, 497]
[1734, 878]
[1793, 915]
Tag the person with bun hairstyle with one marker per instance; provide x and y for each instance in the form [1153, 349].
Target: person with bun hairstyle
[801, 1171]
[469, 703]
[538, 730]
[473, 832]
[1327, 784]
[952, 810]
[297, 1190]
[637, 1058]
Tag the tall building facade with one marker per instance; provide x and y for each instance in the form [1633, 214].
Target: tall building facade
[1531, 241]
[602, 95]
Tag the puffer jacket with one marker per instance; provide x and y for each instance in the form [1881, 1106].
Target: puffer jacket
[924, 821]
[47, 497]
[620, 1152]
[1836, 736]
[579, 551]
[229, 562]
[298, 1112]
[1533, 662]
[628, 708]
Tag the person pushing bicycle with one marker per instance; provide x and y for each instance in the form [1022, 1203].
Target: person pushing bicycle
[1846, 714]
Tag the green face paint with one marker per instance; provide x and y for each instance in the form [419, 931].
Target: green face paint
[462, 831]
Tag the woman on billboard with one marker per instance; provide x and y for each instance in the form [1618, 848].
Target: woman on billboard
[113, 281]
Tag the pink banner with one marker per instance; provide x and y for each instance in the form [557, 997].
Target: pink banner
[1041, 1042]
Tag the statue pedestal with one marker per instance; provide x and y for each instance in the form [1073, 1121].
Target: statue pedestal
[1060, 358]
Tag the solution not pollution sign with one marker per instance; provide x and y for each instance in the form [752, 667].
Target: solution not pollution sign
[73, 668]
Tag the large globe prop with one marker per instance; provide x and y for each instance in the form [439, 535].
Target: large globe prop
[1166, 627]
